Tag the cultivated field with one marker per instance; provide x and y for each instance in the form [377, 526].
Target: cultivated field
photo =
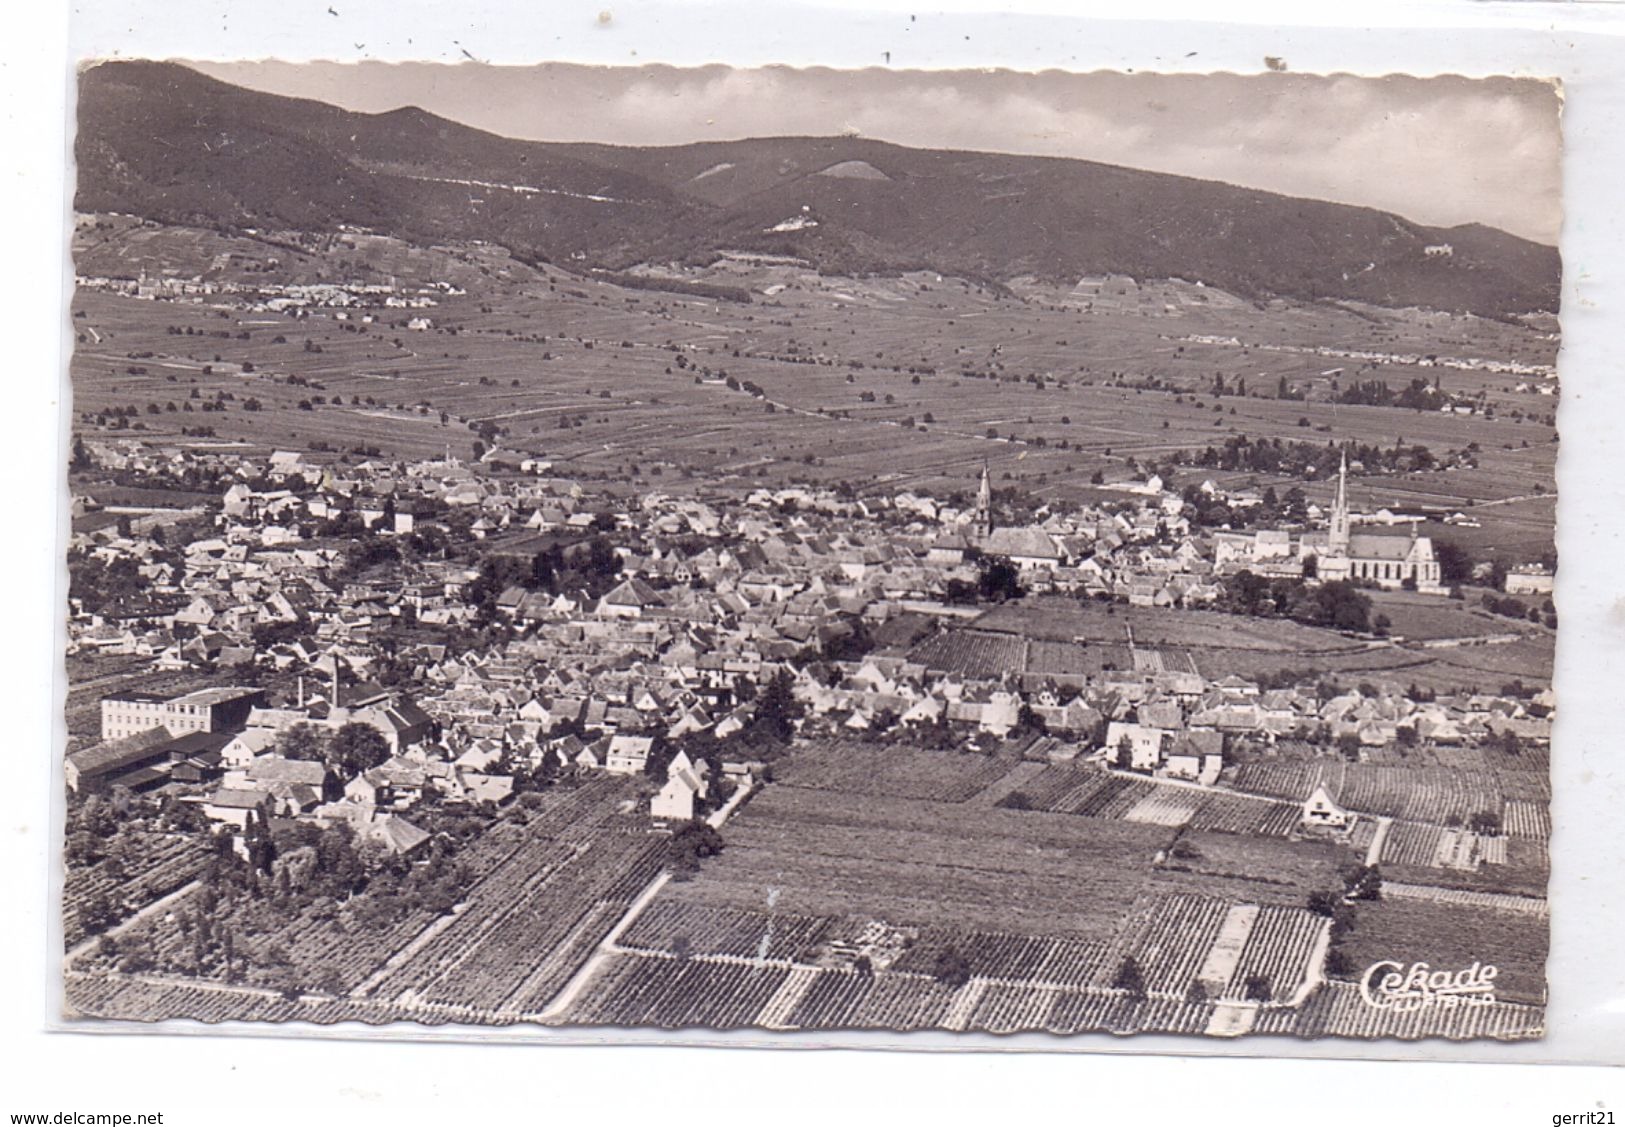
[897, 772]
[937, 374]
[1455, 936]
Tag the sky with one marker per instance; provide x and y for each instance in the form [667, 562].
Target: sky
[1439, 151]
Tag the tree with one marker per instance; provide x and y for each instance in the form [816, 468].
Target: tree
[1455, 563]
[777, 710]
[1129, 978]
[951, 968]
[998, 579]
[1348, 745]
[1028, 722]
[302, 741]
[542, 573]
[1324, 902]
[1363, 882]
[98, 913]
[355, 748]
[693, 842]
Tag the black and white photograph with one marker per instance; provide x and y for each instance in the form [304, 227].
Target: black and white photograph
[811, 550]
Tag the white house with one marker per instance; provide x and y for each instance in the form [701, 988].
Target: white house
[627, 754]
[1145, 744]
[1320, 810]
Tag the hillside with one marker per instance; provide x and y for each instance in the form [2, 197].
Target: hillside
[164, 142]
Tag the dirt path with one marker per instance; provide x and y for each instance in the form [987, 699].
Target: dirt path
[120, 928]
[607, 947]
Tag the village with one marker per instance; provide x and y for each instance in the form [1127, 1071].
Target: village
[689, 613]
[298, 600]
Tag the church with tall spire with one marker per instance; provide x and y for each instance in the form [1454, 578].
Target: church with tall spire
[1026, 546]
[982, 519]
[1382, 558]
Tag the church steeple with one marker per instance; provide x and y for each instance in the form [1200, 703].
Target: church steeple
[1338, 540]
[983, 522]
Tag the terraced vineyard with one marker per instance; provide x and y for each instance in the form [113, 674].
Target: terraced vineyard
[972, 653]
[677, 993]
[900, 772]
[1065, 788]
[666, 926]
[158, 865]
[1422, 794]
[1337, 1009]
[497, 952]
[1279, 953]
[848, 1000]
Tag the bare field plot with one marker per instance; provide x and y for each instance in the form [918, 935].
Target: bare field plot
[911, 862]
[1454, 937]
[1060, 619]
[894, 771]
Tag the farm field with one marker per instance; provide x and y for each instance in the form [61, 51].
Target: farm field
[897, 772]
[831, 854]
[1436, 795]
[1421, 618]
[1454, 936]
[1060, 619]
[913, 862]
[585, 372]
[541, 898]
[1052, 634]
[1066, 788]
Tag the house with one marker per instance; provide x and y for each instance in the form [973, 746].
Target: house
[1196, 755]
[686, 782]
[675, 800]
[627, 754]
[396, 834]
[1532, 579]
[236, 807]
[1320, 810]
[270, 770]
[495, 789]
[399, 783]
[246, 746]
[632, 598]
[1144, 744]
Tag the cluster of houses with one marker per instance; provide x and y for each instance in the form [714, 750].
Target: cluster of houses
[1177, 724]
[713, 600]
[265, 296]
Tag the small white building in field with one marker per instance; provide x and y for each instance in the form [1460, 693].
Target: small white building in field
[1530, 580]
[686, 783]
[675, 800]
[1320, 810]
